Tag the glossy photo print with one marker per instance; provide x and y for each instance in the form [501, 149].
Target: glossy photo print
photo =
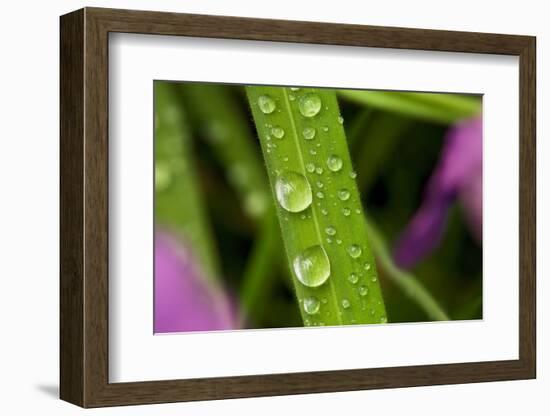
[282, 207]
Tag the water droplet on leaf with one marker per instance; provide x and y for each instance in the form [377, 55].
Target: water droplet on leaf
[309, 105]
[267, 104]
[309, 133]
[343, 194]
[312, 266]
[278, 132]
[293, 191]
[354, 251]
[330, 230]
[334, 163]
[311, 305]
[353, 278]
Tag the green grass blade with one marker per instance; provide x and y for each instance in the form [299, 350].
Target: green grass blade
[439, 108]
[405, 280]
[318, 205]
[178, 202]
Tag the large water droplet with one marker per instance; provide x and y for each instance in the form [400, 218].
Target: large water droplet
[278, 132]
[354, 251]
[334, 163]
[312, 266]
[311, 305]
[267, 104]
[343, 194]
[309, 133]
[293, 191]
[309, 105]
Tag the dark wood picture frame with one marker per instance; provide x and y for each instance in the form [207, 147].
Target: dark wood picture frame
[84, 207]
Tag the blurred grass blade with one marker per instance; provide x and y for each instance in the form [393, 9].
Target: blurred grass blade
[178, 203]
[435, 107]
[217, 115]
[219, 118]
[261, 267]
[318, 205]
[377, 143]
[403, 279]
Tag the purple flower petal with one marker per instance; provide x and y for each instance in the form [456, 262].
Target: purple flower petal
[458, 174]
[185, 300]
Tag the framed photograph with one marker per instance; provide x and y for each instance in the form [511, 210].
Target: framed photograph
[264, 207]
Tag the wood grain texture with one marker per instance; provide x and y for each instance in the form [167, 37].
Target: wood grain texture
[84, 207]
[71, 99]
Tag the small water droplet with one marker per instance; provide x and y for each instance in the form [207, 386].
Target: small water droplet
[309, 133]
[309, 105]
[310, 167]
[354, 251]
[343, 194]
[320, 195]
[374, 278]
[367, 266]
[291, 97]
[312, 266]
[319, 170]
[334, 163]
[363, 290]
[338, 241]
[345, 303]
[293, 191]
[278, 132]
[330, 230]
[357, 211]
[313, 152]
[353, 278]
[285, 159]
[329, 240]
[267, 104]
[340, 119]
[353, 174]
[325, 128]
[311, 305]
[320, 184]
[383, 320]
[324, 301]
[346, 212]
[324, 211]
[294, 89]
